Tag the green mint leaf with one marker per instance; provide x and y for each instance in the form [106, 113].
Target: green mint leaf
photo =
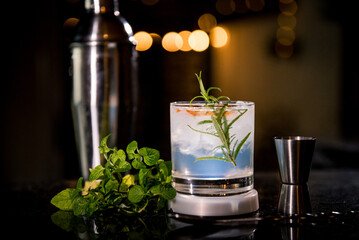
[79, 184]
[168, 193]
[63, 219]
[127, 181]
[96, 173]
[138, 164]
[113, 158]
[136, 194]
[137, 156]
[103, 142]
[111, 185]
[123, 166]
[121, 155]
[118, 155]
[164, 169]
[150, 155]
[131, 148]
[79, 205]
[161, 203]
[156, 190]
[142, 176]
[169, 167]
[91, 207]
[103, 145]
[64, 199]
[108, 172]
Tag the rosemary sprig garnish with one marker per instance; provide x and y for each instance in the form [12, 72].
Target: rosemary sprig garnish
[205, 94]
[230, 146]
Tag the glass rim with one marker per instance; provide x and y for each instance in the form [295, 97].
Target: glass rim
[294, 138]
[204, 103]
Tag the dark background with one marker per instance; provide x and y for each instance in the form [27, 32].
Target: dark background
[37, 136]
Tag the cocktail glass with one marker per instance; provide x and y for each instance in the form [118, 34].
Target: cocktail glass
[212, 147]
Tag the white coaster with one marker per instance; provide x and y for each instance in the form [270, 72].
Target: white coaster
[215, 206]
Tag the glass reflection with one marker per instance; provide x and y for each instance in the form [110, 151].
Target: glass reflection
[202, 230]
[294, 200]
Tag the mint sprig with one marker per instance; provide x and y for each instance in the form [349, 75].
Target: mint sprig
[131, 181]
[220, 127]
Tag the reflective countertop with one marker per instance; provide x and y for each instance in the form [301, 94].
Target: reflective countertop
[333, 213]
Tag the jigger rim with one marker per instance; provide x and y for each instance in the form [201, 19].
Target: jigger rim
[295, 138]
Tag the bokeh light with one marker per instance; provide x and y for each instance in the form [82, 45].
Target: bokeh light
[71, 22]
[198, 40]
[144, 41]
[219, 37]
[286, 1]
[285, 36]
[172, 42]
[284, 51]
[284, 46]
[225, 7]
[255, 5]
[288, 9]
[185, 36]
[156, 38]
[287, 21]
[207, 21]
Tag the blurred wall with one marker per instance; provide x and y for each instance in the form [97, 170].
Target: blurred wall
[304, 94]
[295, 96]
[37, 141]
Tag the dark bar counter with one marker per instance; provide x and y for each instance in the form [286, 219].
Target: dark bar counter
[334, 200]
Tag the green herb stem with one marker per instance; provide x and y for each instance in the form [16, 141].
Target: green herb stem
[220, 124]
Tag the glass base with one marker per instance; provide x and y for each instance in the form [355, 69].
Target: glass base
[213, 187]
[215, 206]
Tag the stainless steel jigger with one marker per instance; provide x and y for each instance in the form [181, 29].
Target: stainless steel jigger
[294, 158]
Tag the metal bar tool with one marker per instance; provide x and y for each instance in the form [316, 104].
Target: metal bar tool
[294, 159]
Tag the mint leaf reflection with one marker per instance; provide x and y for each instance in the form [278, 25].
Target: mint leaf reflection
[113, 225]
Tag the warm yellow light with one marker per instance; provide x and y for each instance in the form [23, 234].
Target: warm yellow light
[71, 22]
[241, 6]
[284, 51]
[287, 21]
[288, 9]
[285, 36]
[255, 5]
[286, 1]
[225, 7]
[185, 46]
[219, 37]
[172, 42]
[156, 38]
[198, 40]
[144, 41]
[207, 21]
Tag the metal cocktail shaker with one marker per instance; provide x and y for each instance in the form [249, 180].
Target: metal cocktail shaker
[104, 71]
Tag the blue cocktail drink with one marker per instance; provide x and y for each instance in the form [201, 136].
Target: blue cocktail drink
[212, 147]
